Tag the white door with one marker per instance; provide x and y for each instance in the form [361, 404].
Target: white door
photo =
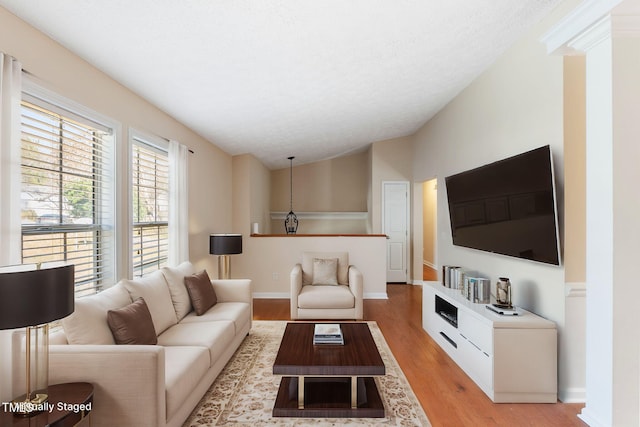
[395, 224]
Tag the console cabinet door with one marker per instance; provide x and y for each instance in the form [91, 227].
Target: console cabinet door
[476, 363]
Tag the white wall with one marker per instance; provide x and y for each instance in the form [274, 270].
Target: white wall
[515, 106]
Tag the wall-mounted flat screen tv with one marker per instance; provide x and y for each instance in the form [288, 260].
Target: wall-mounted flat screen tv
[507, 207]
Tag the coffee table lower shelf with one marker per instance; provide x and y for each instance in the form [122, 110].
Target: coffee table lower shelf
[328, 398]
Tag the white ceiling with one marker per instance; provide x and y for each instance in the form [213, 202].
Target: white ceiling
[305, 78]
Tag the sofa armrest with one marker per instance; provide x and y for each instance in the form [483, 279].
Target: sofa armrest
[357, 288]
[128, 381]
[296, 287]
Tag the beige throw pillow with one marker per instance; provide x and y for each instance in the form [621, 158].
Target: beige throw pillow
[155, 291]
[88, 323]
[325, 271]
[132, 324]
[179, 295]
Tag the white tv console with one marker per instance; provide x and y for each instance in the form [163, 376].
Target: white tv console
[511, 358]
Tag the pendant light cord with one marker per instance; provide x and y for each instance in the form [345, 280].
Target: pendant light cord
[291, 184]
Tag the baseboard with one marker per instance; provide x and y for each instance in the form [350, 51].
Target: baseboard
[375, 295]
[417, 282]
[285, 295]
[573, 395]
[587, 416]
[271, 295]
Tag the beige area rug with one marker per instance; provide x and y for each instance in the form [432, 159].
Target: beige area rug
[245, 391]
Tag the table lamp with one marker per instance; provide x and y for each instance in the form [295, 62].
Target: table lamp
[31, 296]
[224, 245]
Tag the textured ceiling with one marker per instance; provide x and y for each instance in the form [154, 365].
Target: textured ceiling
[312, 79]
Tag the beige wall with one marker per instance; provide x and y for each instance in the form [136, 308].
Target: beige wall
[575, 169]
[69, 76]
[251, 195]
[430, 204]
[391, 160]
[336, 185]
[268, 261]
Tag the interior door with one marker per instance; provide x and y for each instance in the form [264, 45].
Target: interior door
[395, 220]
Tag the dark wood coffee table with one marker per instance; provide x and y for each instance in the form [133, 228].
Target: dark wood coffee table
[328, 381]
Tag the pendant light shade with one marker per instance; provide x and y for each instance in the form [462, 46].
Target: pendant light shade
[291, 221]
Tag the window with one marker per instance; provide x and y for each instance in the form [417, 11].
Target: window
[150, 202]
[67, 186]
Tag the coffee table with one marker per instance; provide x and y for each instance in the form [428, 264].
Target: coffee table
[328, 381]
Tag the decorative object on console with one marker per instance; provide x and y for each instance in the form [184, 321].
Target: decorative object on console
[31, 296]
[503, 293]
[224, 245]
[291, 221]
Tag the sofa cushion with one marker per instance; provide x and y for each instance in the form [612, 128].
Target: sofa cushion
[343, 265]
[184, 368]
[238, 312]
[216, 336]
[132, 324]
[326, 297]
[88, 323]
[153, 288]
[201, 292]
[325, 271]
[179, 294]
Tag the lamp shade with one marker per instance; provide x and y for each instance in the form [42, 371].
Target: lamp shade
[31, 296]
[225, 244]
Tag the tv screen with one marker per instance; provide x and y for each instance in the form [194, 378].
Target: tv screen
[507, 207]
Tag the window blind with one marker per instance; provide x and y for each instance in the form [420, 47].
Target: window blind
[150, 201]
[66, 185]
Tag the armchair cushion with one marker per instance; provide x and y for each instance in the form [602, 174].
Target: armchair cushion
[329, 297]
[325, 271]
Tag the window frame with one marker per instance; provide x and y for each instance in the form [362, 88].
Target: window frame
[159, 145]
[35, 93]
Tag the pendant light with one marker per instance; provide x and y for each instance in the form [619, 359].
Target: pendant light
[291, 221]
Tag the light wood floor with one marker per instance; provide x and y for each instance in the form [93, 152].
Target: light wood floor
[447, 395]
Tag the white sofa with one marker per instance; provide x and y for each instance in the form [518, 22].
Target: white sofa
[151, 385]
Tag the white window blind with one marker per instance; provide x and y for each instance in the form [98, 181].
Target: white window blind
[66, 185]
[150, 201]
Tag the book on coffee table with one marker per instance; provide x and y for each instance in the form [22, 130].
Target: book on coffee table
[327, 333]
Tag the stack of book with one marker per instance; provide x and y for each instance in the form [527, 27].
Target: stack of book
[327, 333]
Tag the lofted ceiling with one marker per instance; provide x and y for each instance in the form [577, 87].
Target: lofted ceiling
[311, 79]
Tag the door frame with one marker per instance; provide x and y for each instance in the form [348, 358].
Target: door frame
[408, 221]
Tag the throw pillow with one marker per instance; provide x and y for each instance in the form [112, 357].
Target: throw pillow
[325, 271]
[202, 295]
[88, 323]
[179, 294]
[155, 291]
[132, 324]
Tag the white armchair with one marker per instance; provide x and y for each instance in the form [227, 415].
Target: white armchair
[317, 292]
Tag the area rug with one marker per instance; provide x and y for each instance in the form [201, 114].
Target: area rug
[245, 391]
